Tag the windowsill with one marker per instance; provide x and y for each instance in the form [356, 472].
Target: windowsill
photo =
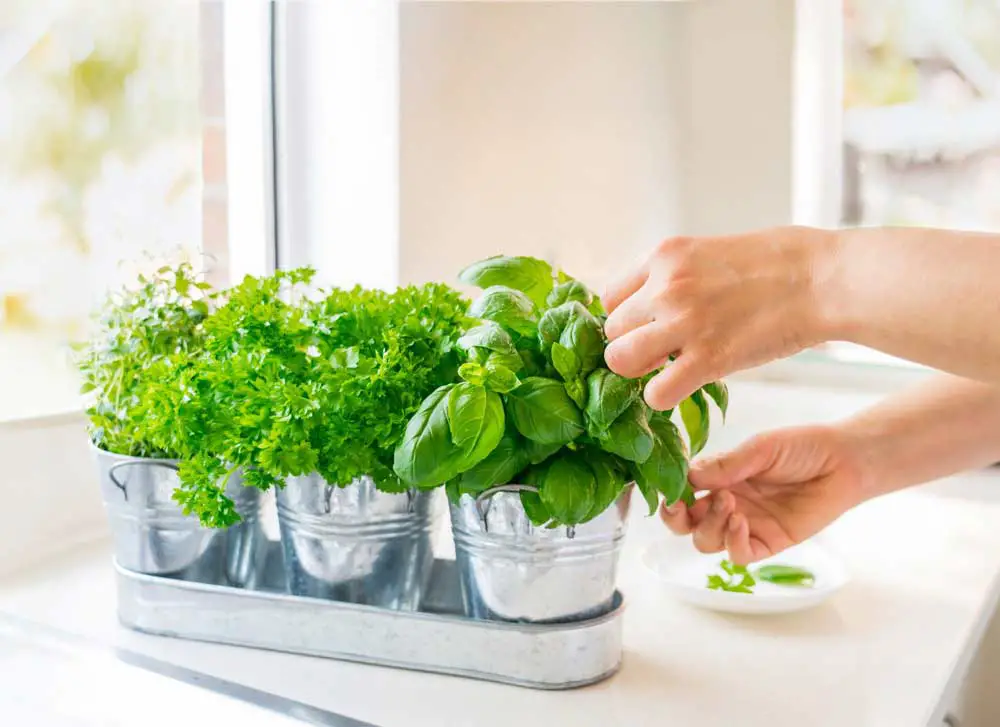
[37, 384]
[823, 370]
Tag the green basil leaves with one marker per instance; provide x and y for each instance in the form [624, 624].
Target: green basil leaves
[543, 412]
[529, 275]
[533, 404]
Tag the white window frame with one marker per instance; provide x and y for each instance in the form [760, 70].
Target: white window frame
[48, 475]
[818, 189]
[337, 140]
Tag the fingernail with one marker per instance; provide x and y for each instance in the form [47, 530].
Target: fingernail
[673, 509]
[734, 524]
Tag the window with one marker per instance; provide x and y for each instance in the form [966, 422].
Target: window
[113, 157]
[128, 129]
[922, 113]
[901, 112]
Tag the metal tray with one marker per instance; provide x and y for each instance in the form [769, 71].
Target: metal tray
[437, 638]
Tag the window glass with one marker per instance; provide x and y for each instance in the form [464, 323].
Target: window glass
[112, 159]
[922, 113]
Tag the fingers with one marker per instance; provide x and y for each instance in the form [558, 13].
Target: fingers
[749, 459]
[640, 351]
[623, 288]
[743, 548]
[709, 535]
[682, 519]
[681, 378]
[631, 314]
[677, 517]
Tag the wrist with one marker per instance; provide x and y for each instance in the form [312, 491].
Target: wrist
[871, 448]
[832, 319]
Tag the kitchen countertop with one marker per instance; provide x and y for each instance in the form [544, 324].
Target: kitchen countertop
[890, 649]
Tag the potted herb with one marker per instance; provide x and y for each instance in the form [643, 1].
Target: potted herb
[158, 324]
[352, 530]
[310, 397]
[538, 444]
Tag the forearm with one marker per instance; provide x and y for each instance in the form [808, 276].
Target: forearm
[929, 296]
[944, 426]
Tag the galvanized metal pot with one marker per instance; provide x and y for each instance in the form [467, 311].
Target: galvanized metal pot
[354, 543]
[153, 536]
[511, 570]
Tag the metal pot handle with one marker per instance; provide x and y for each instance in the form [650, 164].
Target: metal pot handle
[486, 494]
[127, 462]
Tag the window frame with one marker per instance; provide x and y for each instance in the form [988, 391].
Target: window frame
[336, 121]
[819, 178]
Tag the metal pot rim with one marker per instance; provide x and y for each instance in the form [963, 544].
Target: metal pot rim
[124, 457]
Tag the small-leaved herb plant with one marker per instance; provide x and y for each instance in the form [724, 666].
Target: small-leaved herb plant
[286, 385]
[139, 328]
[534, 404]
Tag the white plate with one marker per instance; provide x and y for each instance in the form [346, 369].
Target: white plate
[683, 571]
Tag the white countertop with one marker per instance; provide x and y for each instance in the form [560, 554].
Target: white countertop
[885, 651]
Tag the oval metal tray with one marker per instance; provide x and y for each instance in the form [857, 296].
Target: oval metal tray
[437, 638]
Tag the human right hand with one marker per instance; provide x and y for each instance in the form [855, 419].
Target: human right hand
[774, 491]
[718, 305]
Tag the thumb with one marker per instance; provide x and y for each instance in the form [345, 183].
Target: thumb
[726, 470]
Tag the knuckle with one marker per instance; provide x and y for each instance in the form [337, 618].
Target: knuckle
[673, 245]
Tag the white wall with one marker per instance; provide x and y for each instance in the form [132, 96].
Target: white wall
[737, 169]
[585, 132]
[546, 129]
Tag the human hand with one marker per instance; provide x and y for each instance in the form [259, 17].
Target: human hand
[774, 491]
[719, 305]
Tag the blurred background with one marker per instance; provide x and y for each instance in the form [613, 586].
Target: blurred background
[420, 139]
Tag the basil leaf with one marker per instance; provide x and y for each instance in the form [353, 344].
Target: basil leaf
[488, 335]
[536, 452]
[500, 378]
[511, 361]
[577, 391]
[785, 575]
[534, 508]
[719, 393]
[510, 308]
[473, 373]
[629, 436]
[552, 323]
[542, 411]
[426, 456]
[608, 396]
[476, 422]
[568, 490]
[453, 490]
[566, 363]
[609, 481]
[687, 495]
[666, 470]
[648, 492]
[565, 292]
[529, 275]
[694, 414]
[500, 466]
[532, 362]
[584, 336]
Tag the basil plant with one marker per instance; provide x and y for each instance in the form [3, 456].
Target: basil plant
[533, 404]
